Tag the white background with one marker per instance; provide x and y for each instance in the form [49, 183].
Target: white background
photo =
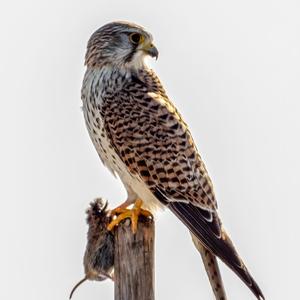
[233, 70]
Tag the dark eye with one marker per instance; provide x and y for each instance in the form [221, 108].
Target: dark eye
[136, 38]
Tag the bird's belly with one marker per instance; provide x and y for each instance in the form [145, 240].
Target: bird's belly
[113, 162]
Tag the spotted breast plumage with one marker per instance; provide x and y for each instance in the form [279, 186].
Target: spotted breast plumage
[141, 137]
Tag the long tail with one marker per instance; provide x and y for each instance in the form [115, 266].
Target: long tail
[206, 226]
[212, 269]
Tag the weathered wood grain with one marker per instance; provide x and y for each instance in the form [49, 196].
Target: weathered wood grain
[134, 261]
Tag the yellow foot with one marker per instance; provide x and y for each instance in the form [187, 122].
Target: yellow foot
[124, 213]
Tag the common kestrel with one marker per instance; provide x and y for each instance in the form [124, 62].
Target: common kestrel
[141, 137]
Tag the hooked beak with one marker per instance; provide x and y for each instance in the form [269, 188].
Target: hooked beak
[151, 50]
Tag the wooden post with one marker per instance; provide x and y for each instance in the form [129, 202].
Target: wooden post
[134, 261]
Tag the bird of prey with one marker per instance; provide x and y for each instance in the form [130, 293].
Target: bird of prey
[141, 137]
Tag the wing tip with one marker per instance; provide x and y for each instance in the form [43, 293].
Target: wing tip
[223, 248]
[256, 290]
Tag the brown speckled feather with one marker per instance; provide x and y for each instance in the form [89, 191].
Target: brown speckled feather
[146, 135]
[140, 136]
[150, 136]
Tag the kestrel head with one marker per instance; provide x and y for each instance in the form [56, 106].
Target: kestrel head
[119, 44]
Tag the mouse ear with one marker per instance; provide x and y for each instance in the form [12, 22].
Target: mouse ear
[77, 285]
